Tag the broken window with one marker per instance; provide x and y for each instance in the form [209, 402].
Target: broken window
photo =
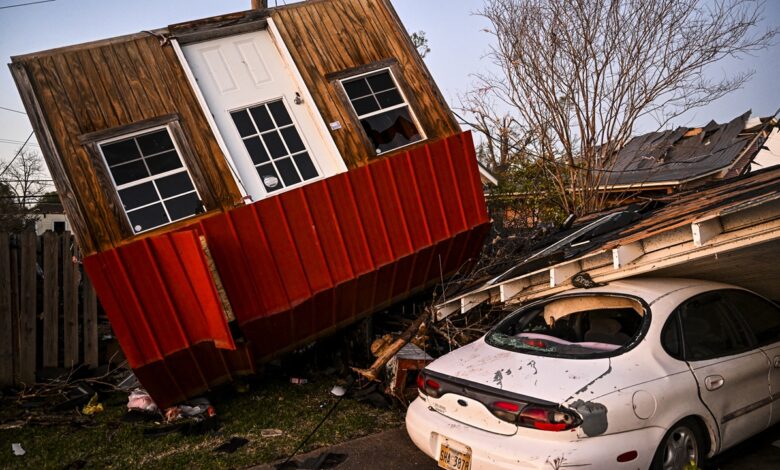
[153, 183]
[275, 145]
[577, 326]
[382, 110]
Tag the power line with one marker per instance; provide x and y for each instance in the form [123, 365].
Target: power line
[25, 4]
[17, 142]
[13, 110]
[18, 152]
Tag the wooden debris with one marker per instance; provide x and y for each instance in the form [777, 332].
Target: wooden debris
[388, 351]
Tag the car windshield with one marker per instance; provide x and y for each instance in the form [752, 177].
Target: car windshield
[578, 326]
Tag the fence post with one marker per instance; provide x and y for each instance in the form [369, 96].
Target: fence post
[27, 308]
[89, 301]
[51, 300]
[6, 322]
[70, 304]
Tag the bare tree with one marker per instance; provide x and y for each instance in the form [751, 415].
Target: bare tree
[23, 180]
[576, 75]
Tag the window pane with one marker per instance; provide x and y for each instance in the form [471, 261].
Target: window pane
[670, 338]
[274, 144]
[137, 196]
[365, 105]
[280, 113]
[120, 152]
[262, 118]
[155, 142]
[287, 170]
[183, 206]
[381, 81]
[762, 317]
[174, 184]
[391, 129]
[148, 217]
[163, 162]
[305, 166]
[389, 98]
[357, 88]
[707, 331]
[129, 172]
[292, 139]
[269, 177]
[243, 123]
[256, 150]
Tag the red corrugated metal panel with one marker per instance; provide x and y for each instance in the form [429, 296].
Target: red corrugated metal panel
[307, 261]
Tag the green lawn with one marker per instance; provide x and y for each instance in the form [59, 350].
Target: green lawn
[106, 441]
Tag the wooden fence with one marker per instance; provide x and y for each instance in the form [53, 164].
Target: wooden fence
[48, 308]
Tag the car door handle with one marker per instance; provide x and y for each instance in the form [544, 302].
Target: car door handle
[714, 382]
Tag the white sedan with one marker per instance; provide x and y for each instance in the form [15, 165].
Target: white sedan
[646, 373]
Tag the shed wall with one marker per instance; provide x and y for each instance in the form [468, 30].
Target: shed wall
[329, 38]
[91, 88]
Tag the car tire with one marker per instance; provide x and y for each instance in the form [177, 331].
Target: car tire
[682, 443]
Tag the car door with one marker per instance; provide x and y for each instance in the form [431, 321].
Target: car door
[730, 371]
[763, 319]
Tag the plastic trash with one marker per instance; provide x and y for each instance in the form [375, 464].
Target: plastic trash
[17, 449]
[93, 406]
[140, 400]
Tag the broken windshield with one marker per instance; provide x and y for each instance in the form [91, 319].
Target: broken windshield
[577, 326]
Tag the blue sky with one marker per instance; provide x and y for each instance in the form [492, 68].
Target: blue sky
[456, 38]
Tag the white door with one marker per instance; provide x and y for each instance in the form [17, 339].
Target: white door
[275, 138]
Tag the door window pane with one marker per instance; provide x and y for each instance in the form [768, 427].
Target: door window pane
[276, 147]
[708, 328]
[762, 316]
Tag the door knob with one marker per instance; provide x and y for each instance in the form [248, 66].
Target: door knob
[776, 362]
[714, 382]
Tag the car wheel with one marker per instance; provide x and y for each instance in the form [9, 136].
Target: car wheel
[681, 445]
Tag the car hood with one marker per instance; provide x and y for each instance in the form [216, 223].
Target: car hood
[546, 378]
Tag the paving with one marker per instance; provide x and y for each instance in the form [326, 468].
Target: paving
[393, 450]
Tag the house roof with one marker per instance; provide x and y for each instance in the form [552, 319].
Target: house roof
[685, 154]
[714, 220]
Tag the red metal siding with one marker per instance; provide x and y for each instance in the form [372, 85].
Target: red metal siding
[293, 266]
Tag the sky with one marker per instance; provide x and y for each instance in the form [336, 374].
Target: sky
[459, 46]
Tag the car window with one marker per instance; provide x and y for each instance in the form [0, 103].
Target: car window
[670, 337]
[762, 317]
[574, 326]
[709, 328]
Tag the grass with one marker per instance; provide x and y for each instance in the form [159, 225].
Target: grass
[105, 441]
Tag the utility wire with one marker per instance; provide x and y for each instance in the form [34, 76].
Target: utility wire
[25, 4]
[18, 152]
[13, 110]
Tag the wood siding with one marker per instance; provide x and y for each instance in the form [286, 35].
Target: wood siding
[327, 37]
[83, 89]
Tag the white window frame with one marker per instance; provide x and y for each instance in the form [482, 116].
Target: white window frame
[320, 172]
[423, 136]
[150, 178]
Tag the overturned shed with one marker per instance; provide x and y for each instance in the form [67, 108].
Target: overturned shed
[246, 183]
[728, 231]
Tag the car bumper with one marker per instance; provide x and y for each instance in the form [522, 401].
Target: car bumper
[529, 449]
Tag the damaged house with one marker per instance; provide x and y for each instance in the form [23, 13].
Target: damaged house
[243, 184]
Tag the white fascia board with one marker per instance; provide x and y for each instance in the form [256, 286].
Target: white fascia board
[626, 254]
[563, 272]
[512, 288]
[705, 230]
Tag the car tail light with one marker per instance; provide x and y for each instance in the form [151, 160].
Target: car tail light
[535, 416]
[428, 386]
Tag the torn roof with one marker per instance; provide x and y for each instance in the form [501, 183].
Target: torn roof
[636, 232]
[684, 154]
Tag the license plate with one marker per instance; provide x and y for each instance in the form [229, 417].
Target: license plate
[452, 459]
